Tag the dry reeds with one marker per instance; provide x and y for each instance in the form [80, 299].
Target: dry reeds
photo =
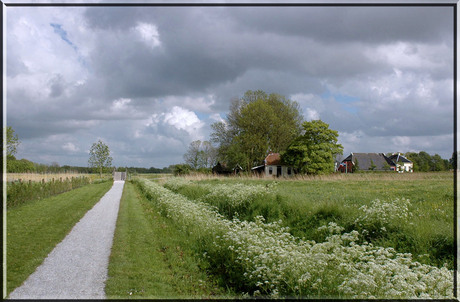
[364, 176]
[40, 177]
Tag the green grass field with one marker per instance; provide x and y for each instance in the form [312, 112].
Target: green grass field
[35, 228]
[304, 205]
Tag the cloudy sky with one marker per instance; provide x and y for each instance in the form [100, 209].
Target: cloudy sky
[149, 80]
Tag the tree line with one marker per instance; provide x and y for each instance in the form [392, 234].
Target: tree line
[260, 123]
[424, 162]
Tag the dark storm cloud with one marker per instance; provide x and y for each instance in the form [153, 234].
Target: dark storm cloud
[348, 24]
[202, 48]
[121, 73]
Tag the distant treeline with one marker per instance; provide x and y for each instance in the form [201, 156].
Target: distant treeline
[14, 165]
[134, 170]
[424, 162]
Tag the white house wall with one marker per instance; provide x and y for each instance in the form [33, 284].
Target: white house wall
[284, 171]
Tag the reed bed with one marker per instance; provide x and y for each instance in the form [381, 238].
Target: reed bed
[40, 177]
[20, 192]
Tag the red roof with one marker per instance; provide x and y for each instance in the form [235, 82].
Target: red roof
[273, 159]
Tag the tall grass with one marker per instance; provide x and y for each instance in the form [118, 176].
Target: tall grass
[39, 177]
[366, 176]
[21, 192]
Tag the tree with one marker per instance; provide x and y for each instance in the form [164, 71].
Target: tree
[315, 150]
[99, 156]
[208, 155]
[192, 157]
[257, 123]
[438, 164]
[181, 169]
[372, 166]
[200, 155]
[355, 167]
[12, 142]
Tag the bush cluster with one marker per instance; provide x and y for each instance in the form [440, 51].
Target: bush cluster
[20, 192]
[262, 258]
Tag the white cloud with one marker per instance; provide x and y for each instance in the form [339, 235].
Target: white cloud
[178, 119]
[200, 103]
[312, 114]
[216, 117]
[120, 103]
[70, 147]
[149, 34]
[184, 119]
[401, 141]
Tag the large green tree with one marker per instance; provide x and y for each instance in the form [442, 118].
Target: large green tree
[256, 123]
[314, 151]
[99, 156]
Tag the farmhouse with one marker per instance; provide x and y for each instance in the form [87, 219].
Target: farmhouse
[273, 166]
[402, 163]
[375, 162]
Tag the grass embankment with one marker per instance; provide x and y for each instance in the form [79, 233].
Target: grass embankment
[149, 258]
[350, 201]
[35, 228]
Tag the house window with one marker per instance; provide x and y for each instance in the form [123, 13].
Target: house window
[270, 170]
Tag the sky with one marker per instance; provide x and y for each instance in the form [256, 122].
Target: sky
[148, 81]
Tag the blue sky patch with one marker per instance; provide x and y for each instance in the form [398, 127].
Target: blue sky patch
[63, 34]
[345, 100]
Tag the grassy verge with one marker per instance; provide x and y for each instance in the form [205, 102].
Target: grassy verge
[150, 258]
[34, 229]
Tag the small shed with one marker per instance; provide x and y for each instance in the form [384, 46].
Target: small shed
[222, 169]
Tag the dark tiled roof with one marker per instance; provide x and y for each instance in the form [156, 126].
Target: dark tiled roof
[399, 158]
[365, 160]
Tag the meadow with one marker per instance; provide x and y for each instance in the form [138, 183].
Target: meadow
[353, 236]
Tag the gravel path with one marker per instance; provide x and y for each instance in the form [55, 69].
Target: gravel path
[77, 267]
